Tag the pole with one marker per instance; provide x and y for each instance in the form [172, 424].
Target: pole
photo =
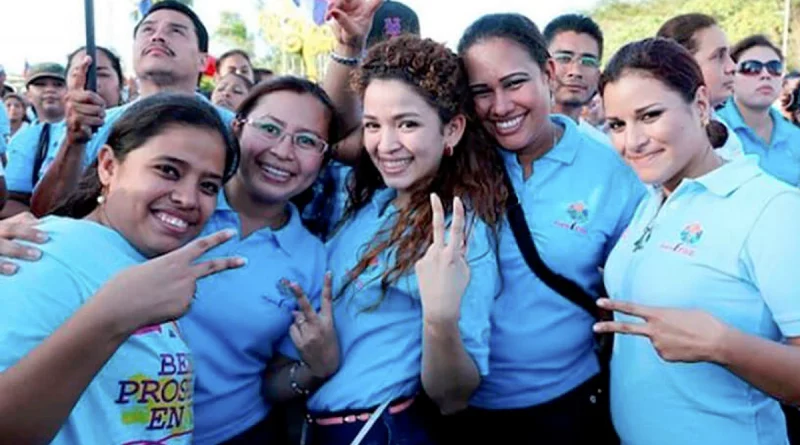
[787, 13]
[91, 50]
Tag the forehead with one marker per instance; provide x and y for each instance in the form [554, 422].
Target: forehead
[102, 59]
[283, 105]
[710, 39]
[489, 60]
[761, 53]
[382, 96]
[230, 79]
[202, 148]
[168, 16]
[578, 43]
[235, 59]
[634, 90]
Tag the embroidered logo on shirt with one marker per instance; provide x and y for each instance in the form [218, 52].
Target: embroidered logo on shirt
[578, 215]
[392, 26]
[690, 236]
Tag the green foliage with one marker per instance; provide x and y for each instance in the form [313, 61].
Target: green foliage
[232, 32]
[625, 21]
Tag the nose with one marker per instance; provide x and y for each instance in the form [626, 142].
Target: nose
[283, 148]
[502, 105]
[634, 139]
[388, 141]
[185, 194]
[730, 66]
[573, 69]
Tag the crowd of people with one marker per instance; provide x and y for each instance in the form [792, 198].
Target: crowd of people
[512, 242]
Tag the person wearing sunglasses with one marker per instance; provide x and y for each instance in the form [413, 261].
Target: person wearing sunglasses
[762, 129]
[575, 43]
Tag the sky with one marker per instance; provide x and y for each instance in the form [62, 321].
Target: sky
[60, 24]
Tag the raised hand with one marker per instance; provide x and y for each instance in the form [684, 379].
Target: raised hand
[314, 334]
[84, 109]
[678, 335]
[163, 288]
[352, 20]
[20, 227]
[443, 273]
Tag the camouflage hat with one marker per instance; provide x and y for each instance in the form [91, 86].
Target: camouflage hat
[44, 71]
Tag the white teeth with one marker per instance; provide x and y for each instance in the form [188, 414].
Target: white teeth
[505, 125]
[276, 172]
[395, 165]
[172, 221]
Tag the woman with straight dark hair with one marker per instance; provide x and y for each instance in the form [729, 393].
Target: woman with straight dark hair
[100, 305]
[703, 282]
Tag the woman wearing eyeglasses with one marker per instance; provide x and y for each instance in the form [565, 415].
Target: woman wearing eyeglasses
[762, 129]
[703, 281]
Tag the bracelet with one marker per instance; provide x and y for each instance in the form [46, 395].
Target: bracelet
[346, 61]
[299, 390]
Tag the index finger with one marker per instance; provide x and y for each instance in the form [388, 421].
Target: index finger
[200, 246]
[438, 220]
[457, 226]
[302, 301]
[77, 78]
[326, 307]
[627, 308]
[372, 7]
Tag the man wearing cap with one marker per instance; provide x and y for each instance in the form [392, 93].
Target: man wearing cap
[169, 53]
[31, 147]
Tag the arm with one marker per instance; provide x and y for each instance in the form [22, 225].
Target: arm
[34, 404]
[3, 190]
[61, 178]
[279, 377]
[449, 374]
[17, 203]
[337, 84]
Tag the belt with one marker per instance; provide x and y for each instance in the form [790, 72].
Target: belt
[361, 417]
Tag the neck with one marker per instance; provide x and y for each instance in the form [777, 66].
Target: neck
[15, 125]
[706, 162]
[150, 84]
[757, 119]
[570, 111]
[50, 118]
[253, 213]
[548, 138]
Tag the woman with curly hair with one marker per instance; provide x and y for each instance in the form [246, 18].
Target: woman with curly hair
[401, 331]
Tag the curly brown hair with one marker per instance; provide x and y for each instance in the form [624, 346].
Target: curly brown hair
[474, 172]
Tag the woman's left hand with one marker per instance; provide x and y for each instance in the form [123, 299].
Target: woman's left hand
[678, 335]
[352, 21]
[314, 333]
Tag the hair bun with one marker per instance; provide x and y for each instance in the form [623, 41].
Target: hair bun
[717, 133]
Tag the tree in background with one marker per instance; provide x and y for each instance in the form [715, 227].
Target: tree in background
[232, 32]
[626, 21]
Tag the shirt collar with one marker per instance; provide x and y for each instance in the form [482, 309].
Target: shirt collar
[734, 119]
[287, 237]
[730, 176]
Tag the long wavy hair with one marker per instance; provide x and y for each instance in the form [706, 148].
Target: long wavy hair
[474, 172]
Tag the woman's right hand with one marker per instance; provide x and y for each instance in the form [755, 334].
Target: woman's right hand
[162, 289]
[84, 109]
[352, 21]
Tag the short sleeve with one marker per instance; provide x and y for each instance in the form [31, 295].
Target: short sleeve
[483, 288]
[771, 256]
[21, 155]
[32, 308]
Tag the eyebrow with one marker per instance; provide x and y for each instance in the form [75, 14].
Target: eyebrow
[186, 165]
[641, 110]
[502, 79]
[396, 117]
[283, 124]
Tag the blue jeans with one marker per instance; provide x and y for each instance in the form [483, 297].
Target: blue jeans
[403, 428]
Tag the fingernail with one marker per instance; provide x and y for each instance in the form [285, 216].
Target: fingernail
[242, 261]
[596, 328]
[602, 302]
[32, 254]
[41, 237]
[230, 232]
[8, 268]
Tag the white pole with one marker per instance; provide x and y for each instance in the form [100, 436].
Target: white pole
[787, 8]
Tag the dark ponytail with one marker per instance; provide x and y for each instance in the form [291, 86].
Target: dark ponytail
[717, 133]
[142, 121]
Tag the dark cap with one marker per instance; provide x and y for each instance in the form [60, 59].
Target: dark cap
[45, 71]
[200, 29]
[391, 19]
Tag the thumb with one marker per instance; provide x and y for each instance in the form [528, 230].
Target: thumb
[345, 22]
[77, 78]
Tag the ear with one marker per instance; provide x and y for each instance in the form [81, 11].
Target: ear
[549, 70]
[702, 104]
[107, 165]
[201, 62]
[454, 130]
[237, 126]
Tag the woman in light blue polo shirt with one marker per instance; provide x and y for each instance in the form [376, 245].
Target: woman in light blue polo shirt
[577, 197]
[704, 280]
[89, 350]
[396, 337]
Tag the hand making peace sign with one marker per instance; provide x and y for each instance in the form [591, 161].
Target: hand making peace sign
[314, 334]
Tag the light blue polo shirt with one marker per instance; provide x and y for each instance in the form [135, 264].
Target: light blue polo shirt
[22, 151]
[781, 157]
[240, 320]
[577, 203]
[113, 114]
[724, 244]
[381, 348]
[5, 129]
[143, 394]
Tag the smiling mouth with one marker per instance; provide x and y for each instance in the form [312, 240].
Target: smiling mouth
[509, 126]
[275, 174]
[172, 223]
[394, 166]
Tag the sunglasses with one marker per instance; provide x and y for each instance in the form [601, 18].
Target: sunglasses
[754, 67]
